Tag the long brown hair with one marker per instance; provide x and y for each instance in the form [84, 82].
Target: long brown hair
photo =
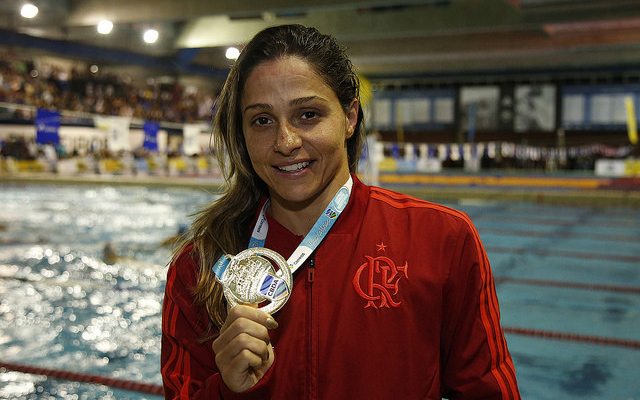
[223, 227]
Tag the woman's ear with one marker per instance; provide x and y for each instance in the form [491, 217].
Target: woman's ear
[352, 117]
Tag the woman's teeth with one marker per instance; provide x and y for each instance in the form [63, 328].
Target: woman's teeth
[294, 167]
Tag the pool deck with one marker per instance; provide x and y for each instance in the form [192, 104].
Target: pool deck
[560, 189]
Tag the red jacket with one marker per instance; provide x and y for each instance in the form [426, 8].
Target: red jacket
[398, 302]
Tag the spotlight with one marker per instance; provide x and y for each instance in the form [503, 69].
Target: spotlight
[232, 53]
[151, 36]
[29, 10]
[105, 27]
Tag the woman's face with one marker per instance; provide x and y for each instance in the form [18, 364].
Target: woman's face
[296, 131]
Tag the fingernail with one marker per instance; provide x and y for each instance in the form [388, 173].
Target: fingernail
[271, 323]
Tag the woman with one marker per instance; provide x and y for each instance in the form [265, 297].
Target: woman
[396, 301]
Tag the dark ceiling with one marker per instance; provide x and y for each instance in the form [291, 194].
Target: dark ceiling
[401, 40]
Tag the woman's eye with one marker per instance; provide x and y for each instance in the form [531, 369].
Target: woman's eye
[261, 121]
[309, 114]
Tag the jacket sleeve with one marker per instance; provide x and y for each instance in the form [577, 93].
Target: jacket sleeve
[187, 363]
[475, 359]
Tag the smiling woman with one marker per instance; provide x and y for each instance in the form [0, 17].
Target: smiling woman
[296, 131]
[373, 270]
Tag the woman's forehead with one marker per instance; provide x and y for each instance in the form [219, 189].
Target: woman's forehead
[287, 77]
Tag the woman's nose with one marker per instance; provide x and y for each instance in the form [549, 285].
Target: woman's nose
[287, 140]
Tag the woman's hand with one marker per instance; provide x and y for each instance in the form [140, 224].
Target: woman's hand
[243, 348]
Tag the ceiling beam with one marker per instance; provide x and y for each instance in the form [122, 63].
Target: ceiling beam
[91, 11]
[352, 24]
[95, 54]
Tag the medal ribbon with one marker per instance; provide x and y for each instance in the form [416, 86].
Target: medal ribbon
[317, 233]
[310, 242]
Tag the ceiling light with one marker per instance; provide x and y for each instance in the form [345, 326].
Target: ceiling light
[232, 53]
[104, 27]
[29, 11]
[151, 36]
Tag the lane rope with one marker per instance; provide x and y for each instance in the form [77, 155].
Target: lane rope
[634, 344]
[87, 378]
[159, 390]
[560, 253]
[570, 285]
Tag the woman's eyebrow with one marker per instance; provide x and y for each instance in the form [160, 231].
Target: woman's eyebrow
[262, 106]
[294, 102]
[302, 100]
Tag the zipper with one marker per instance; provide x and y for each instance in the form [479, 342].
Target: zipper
[311, 364]
[311, 268]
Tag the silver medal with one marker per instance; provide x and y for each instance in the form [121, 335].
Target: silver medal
[251, 278]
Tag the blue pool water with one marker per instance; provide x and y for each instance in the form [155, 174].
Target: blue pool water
[571, 249]
[69, 309]
[62, 306]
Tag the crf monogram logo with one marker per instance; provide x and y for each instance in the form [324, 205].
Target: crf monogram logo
[377, 281]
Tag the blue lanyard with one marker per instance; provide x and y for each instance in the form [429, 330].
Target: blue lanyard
[310, 242]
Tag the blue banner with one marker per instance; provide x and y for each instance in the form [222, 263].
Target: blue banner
[432, 153]
[150, 136]
[395, 151]
[47, 126]
[473, 113]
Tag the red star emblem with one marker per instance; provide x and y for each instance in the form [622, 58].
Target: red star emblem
[381, 247]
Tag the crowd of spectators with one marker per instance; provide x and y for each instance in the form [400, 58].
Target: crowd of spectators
[98, 93]
[84, 91]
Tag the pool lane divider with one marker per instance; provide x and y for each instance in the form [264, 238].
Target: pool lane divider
[568, 254]
[575, 337]
[86, 378]
[570, 285]
[159, 390]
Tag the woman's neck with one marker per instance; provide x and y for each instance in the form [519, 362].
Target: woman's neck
[298, 221]
[299, 218]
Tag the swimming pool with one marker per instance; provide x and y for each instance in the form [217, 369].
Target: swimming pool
[568, 281]
[62, 306]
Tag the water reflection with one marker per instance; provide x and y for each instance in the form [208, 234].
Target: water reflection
[63, 306]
